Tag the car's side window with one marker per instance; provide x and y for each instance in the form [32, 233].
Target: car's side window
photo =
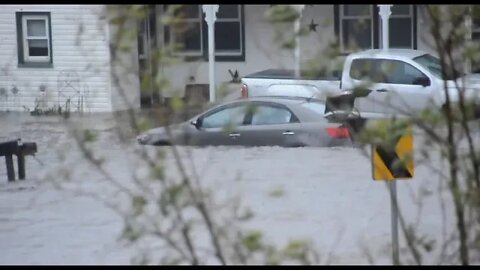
[367, 70]
[271, 115]
[399, 72]
[360, 69]
[225, 117]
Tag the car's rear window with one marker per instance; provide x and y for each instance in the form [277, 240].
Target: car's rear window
[315, 107]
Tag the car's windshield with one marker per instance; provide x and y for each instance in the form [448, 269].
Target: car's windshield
[433, 64]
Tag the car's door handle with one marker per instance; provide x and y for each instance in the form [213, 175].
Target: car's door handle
[382, 90]
[234, 135]
[288, 133]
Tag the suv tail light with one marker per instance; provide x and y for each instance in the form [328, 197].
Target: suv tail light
[244, 91]
[338, 132]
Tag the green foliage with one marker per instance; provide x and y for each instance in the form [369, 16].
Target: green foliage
[229, 127]
[432, 117]
[52, 111]
[130, 231]
[246, 215]
[282, 18]
[297, 250]
[174, 193]
[277, 192]
[282, 14]
[253, 241]
[138, 204]
[158, 172]
[385, 132]
[177, 104]
[273, 257]
[89, 136]
[143, 124]
[146, 83]
[37, 111]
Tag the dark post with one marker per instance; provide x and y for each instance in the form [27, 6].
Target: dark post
[10, 170]
[20, 149]
[21, 166]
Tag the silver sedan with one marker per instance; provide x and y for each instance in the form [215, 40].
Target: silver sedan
[259, 121]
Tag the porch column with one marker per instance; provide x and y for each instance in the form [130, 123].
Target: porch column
[210, 17]
[385, 13]
[299, 9]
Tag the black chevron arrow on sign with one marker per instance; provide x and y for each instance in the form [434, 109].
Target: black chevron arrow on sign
[393, 162]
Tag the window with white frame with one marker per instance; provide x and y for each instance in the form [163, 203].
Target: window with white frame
[358, 27]
[190, 33]
[228, 31]
[401, 27]
[187, 34]
[34, 39]
[476, 29]
[475, 21]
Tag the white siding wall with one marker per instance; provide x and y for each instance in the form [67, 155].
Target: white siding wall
[80, 51]
[425, 40]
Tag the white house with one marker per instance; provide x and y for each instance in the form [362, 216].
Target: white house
[59, 55]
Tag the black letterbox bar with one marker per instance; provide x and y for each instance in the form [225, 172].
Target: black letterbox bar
[10, 148]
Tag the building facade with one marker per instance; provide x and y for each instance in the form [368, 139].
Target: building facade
[60, 55]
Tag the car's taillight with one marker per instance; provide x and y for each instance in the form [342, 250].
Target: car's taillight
[244, 91]
[338, 132]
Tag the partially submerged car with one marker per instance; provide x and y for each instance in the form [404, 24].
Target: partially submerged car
[259, 121]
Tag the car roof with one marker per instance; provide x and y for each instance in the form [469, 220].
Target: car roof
[285, 100]
[281, 99]
[293, 103]
[408, 53]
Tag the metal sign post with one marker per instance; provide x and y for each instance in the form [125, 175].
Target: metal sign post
[385, 13]
[394, 209]
[391, 163]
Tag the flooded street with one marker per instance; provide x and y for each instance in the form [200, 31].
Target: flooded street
[327, 195]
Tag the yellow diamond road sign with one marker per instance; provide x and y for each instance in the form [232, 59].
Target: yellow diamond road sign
[394, 162]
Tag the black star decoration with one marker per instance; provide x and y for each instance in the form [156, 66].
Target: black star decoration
[312, 26]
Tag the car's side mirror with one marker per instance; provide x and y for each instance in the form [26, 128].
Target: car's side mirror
[196, 123]
[423, 81]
